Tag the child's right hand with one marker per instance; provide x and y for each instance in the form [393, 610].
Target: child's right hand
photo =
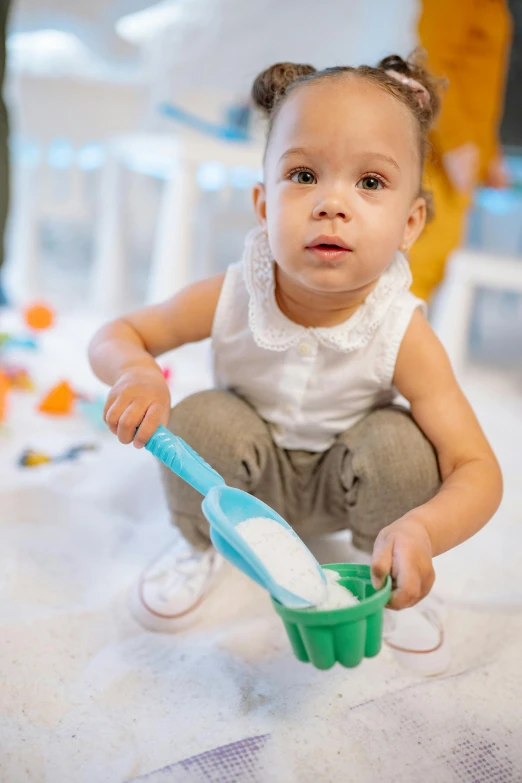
[139, 399]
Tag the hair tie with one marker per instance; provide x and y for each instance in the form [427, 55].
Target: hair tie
[419, 89]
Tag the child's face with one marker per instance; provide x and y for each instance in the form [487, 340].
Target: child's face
[342, 165]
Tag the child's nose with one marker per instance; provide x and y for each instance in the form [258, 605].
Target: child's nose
[331, 207]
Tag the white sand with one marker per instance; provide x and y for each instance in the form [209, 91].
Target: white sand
[87, 695]
[337, 596]
[288, 561]
[291, 564]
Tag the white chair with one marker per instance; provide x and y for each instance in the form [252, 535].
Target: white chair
[178, 158]
[23, 263]
[467, 271]
[39, 192]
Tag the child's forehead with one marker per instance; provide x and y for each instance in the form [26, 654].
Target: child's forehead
[343, 112]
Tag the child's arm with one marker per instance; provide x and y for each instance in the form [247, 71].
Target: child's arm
[122, 355]
[471, 480]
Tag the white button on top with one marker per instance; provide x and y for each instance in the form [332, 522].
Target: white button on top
[305, 349]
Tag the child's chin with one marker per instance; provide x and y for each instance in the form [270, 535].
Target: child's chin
[330, 280]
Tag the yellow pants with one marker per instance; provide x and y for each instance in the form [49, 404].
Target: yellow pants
[441, 237]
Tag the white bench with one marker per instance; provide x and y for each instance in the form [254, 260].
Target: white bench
[468, 270]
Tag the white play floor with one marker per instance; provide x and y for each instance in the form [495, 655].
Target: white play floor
[86, 696]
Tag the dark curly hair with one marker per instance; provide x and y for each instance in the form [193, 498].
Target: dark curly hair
[275, 84]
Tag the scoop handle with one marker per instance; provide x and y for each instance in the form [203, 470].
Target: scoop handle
[184, 461]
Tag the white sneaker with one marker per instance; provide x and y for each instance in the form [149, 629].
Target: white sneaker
[417, 638]
[173, 586]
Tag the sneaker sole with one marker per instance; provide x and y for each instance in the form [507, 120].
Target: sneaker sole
[428, 663]
[161, 623]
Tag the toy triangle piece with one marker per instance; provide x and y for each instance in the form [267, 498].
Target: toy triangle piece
[59, 401]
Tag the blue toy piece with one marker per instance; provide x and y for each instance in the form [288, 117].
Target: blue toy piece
[93, 409]
[23, 343]
[236, 130]
[225, 507]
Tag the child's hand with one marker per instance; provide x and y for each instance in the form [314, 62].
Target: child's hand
[403, 550]
[140, 398]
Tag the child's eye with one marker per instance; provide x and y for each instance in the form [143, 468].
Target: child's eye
[303, 177]
[370, 183]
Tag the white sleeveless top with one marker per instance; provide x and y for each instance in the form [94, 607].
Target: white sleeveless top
[309, 384]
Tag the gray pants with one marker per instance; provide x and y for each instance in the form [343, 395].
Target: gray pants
[373, 474]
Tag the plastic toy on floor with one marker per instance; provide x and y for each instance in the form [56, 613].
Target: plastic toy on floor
[59, 401]
[12, 377]
[5, 385]
[38, 316]
[63, 400]
[167, 374]
[11, 341]
[31, 458]
[92, 409]
[18, 377]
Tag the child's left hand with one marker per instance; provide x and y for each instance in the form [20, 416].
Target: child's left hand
[403, 549]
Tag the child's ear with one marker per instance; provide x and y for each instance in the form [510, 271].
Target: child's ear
[415, 224]
[259, 198]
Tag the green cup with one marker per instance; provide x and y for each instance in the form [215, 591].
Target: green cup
[343, 635]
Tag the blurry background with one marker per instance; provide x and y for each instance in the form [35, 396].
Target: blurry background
[114, 203]
[93, 154]
[133, 154]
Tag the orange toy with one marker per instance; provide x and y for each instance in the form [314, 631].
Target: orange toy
[38, 316]
[18, 377]
[59, 401]
[4, 388]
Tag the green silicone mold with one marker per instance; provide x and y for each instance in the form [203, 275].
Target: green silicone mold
[345, 636]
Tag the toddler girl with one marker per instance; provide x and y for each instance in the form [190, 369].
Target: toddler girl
[314, 335]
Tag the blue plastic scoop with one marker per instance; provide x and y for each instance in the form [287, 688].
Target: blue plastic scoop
[225, 507]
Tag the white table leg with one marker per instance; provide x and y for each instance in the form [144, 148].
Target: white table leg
[172, 258]
[23, 270]
[109, 275]
[453, 319]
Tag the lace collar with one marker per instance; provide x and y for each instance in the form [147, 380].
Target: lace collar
[273, 331]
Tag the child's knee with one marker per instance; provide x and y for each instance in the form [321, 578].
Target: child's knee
[215, 413]
[226, 431]
[391, 453]
[392, 468]
[409, 459]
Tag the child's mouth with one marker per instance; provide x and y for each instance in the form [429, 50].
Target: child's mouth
[328, 252]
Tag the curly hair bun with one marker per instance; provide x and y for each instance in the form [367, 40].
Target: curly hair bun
[271, 85]
[414, 68]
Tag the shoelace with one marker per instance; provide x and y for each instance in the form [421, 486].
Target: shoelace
[178, 561]
[171, 566]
